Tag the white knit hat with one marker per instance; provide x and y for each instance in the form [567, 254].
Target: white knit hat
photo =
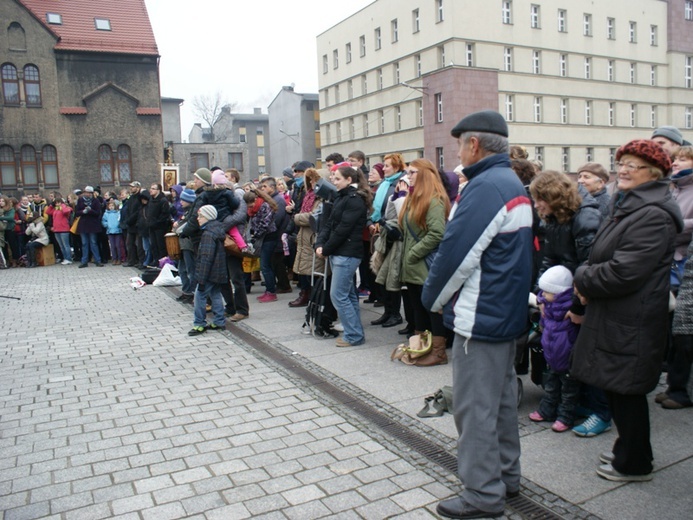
[556, 280]
[208, 211]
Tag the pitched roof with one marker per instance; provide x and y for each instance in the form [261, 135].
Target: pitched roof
[130, 30]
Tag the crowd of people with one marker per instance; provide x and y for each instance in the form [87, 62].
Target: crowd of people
[457, 256]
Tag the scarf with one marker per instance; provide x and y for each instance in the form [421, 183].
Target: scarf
[298, 181]
[381, 194]
[308, 202]
[256, 207]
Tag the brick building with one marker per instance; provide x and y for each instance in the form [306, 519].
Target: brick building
[79, 102]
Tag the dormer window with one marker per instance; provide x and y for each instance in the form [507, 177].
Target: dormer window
[102, 24]
[54, 18]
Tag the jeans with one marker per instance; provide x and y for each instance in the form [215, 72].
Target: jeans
[31, 248]
[680, 359]
[266, 254]
[147, 250]
[561, 393]
[186, 269]
[213, 292]
[594, 399]
[117, 246]
[90, 241]
[344, 297]
[63, 240]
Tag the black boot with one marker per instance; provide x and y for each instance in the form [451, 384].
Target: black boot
[393, 320]
[381, 320]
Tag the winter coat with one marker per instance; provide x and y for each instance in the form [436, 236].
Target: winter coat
[159, 213]
[683, 314]
[210, 262]
[142, 223]
[133, 211]
[281, 220]
[37, 230]
[621, 342]
[418, 243]
[303, 264]
[7, 216]
[124, 205]
[89, 213]
[558, 334]
[682, 187]
[111, 221]
[224, 201]
[342, 233]
[604, 202]
[176, 208]
[481, 274]
[262, 223]
[184, 242]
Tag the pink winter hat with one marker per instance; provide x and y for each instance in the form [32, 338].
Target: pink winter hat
[218, 177]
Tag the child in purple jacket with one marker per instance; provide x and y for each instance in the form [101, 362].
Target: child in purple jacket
[558, 336]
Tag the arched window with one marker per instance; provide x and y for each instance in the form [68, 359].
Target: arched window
[124, 163]
[16, 37]
[50, 165]
[8, 168]
[10, 84]
[106, 163]
[32, 86]
[29, 166]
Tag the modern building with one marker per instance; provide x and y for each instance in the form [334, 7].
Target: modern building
[79, 102]
[237, 141]
[575, 79]
[294, 128]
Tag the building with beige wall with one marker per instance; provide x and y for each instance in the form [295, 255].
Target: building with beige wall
[574, 79]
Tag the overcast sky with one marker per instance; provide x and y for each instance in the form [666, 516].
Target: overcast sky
[248, 49]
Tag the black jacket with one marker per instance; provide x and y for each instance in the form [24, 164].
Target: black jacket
[342, 235]
[133, 207]
[621, 343]
[142, 224]
[159, 213]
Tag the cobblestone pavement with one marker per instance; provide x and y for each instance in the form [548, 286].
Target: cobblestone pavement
[109, 410]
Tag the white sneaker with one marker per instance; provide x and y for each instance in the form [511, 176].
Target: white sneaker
[65, 262]
[338, 327]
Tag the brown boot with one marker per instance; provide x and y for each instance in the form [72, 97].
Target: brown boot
[436, 356]
[302, 300]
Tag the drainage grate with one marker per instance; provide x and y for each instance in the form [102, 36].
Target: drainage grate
[522, 505]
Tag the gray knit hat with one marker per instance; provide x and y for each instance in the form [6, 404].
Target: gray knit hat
[204, 175]
[208, 211]
[669, 132]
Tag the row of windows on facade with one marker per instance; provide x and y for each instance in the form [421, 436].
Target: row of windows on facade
[507, 18]
[537, 114]
[201, 160]
[32, 168]
[18, 85]
[634, 71]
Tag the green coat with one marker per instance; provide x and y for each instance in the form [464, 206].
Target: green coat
[414, 269]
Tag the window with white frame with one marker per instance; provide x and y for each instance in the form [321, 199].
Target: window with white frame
[381, 117]
[653, 35]
[536, 62]
[395, 30]
[653, 116]
[565, 158]
[336, 94]
[612, 114]
[378, 39]
[352, 129]
[611, 28]
[633, 114]
[366, 131]
[327, 98]
[509, 107]
[398, 117]
[564, 111]
[508, 59]
[563, 65]
[587, 24]
[688, 10]
[653, 75]
[364, 84]
[379, 75]
[325, 64]
[441, 56]
[469, 54]
[54, 18]
[335, 59]
[350, 89]
[102, 24]
[535, 16]
[539, 153]
[362, 46]
[612, 159]
[588, 112]
[417, 65]
[537, 109]
[440, 158]
[420, 113]
[588, 68]
[395, 70]
[439, 107]
[589, 154]
[610, 70]
[339, 131]
[562, 20]
[632, 32]
[688, 72]
[348, 52]
[507, 11]
[415, 21]
[688, 118]
[632, 73]
[439, 11]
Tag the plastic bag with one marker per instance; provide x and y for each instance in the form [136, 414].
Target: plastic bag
[167, 277]
[136, 282]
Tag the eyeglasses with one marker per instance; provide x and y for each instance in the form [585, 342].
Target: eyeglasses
[630, 167]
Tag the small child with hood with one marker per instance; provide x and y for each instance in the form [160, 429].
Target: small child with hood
[561, 392]
[210, 272]
[111, 221]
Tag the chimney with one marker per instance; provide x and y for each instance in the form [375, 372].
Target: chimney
[257, 111]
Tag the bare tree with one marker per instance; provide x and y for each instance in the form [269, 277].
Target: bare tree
[211, 108]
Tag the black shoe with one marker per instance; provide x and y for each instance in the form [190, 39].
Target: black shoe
[380, 320]
[458, 508]
[83, 265]
[99, 264]
[379, 304]
[370, 300]
[392, 321]
[405, 330]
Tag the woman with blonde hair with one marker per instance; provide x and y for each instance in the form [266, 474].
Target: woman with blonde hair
[422, 221]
